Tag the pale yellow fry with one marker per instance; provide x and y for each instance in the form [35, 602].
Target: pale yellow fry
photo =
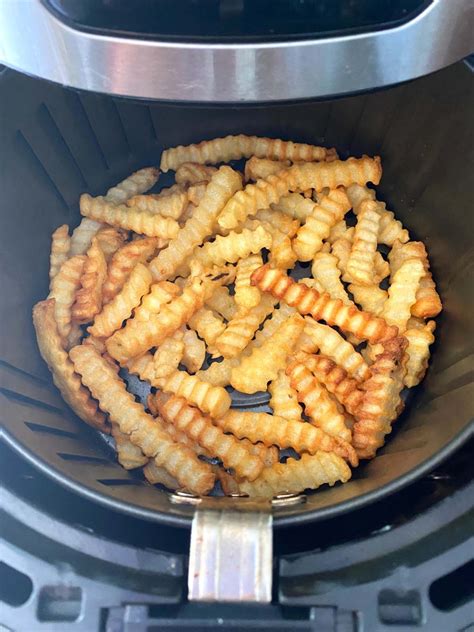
[337, 231]
[295, 205]
[141, 222]
[240, 330]
[371, 298]
[167, 206]
[330, 209]
[342, 247]
[218, 373]
[402, 293]
[120, 308]
[428, 303]
[234, 246]
[283, 398]
[278, 316]
[160, 294]
[264, 362]
[159, 476]
[137, 183]
[82, 236]
[144, 431]
[308, 175]
[194, 351]
[63, 289]
[88, 302]
[110, 239]
[207, 324]
[223, 185]
[333, 345]
[247, 295]
[212, 400]
[60, 246]
[237, 147]
[222, 302]
[258, 168]
[360, 266]
[61, 367]
[390, 229]
[328, 275]
[418, 351]
[292, 477]
[128, 455]
[193, 172]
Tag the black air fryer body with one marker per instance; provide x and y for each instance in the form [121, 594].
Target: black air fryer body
[94, 539]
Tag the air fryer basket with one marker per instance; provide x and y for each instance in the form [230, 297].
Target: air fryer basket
[57, 143]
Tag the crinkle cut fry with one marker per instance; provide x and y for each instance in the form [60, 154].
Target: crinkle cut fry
[121, 306]
[128, 455]
[274, 430]
[159, 476]
[233, 246]
[360, 265]
[322, 307]
[283, 398]
[232, 453]
[309, 175]
[189, 173]
[381, 403]
[63, 289]
[88, 301]
[62, 369]
[144, 431]
[224, 183]
[247, 295]
[334, 378]
[60, 246]
[309, 472]
[237, 147]
[143, 222]
[168, 205]
[258, 168]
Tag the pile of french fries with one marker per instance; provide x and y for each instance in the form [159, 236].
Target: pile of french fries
[191, 290]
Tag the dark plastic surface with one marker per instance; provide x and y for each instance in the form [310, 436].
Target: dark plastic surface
[57, 144]
[234, 20]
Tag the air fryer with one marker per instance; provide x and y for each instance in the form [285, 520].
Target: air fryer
[59, 142]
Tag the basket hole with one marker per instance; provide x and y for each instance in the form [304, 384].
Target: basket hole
[454, 589]
[49, 430]
[15, 587]
[83, 458]
[59, 603]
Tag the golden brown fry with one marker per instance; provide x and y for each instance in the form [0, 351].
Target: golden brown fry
[212, 400]
[63, 289]
[327, 273]
[237, 147]
[60, 246]
[264, 362]
[381, 402]
[123, 262]
[167, 206]
[192, 172]
[128, 455]
[160, 294]
[240, 330]
[232, 453]
[360, 265]
[418, 351]
[330, 209]
[402, 293]
[159, 476]
[342, 248]
[371, 298]
[332, 344]
[318, 405]
[322, 306]
[142, 222]
[224, 183]
[194, 351]
[218, 373]
[138, 182]
[207, 325]
[233, 247]
[390, 229]
[258, 168]
[144, 431]
[140, 335]
[228, 482]
[283, 398]
[120, 308]
[309, 175]
[428, 303]
[296, 206]
[292, 477]
[335, 379]
[337, 231]
[285, 433]
[246, 295]
[278, 316]
[110, 239]
[62, 369]
[88, 301]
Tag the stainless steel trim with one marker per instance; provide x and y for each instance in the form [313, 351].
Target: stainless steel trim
[32, 40]
[231, 555]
